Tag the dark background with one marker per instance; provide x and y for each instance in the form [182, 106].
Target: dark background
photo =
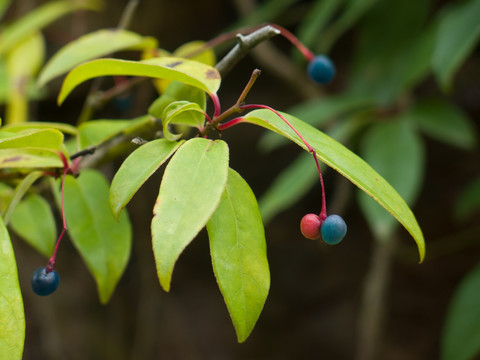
[314, 305]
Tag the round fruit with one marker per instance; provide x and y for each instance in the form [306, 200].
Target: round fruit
[45, 282]
[333, 229]
[321, 69]
[310, 226]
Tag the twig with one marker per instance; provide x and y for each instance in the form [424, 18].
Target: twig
[244, 45]
[128, 14]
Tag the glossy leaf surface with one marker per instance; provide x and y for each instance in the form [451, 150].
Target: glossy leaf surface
[346, 163]
[189, 72]
[190, 191]
[37, 125]
[239, 254]
[93, 45]
[12, 318]
[33, 221]
[103, 242]
[461, 334]
[136, 169]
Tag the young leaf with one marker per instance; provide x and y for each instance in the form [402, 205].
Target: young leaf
[461, 333]
[40, 234]
[190, 191]
[239, 254]
[103, 242]
[457, 35]
[12, 317]
[93, 45]
[136, 169]
[396, 151]
[346, 163]
[186, 71]
[95, 132]
[181, 112]
[39, 18]
[177, 91]
[29, 158]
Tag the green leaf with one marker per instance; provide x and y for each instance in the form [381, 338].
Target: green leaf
[239, 254]
[19, 192]
[181, 112]
[469, 200]
[347, 164]
[446, 123]
[189, 72]
[461, 333]
[33, 221]
[319, 112]
[190, 191]
[396, 152]
[38, 19]
[177, 91]
[203, 54]
[95, 132]
[37, 125]
[103, 242]
[458, 32]
[12, 317]
[136, 169]
[29, 158]
[50, 139]
[93, 45]
[4, 4]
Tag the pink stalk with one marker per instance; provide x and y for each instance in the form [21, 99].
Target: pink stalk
[216, 104]
[293, 39]
[323, 212]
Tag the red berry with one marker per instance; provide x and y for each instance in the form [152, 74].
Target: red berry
[310, 226]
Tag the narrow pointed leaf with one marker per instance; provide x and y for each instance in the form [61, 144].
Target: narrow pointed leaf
[136, 169]
[189, 72]
[347, 164]
[239, 254]
[91, 46]
[190, 191]
[12, 317]
[396, 151]
[103, 242]
[41, 235]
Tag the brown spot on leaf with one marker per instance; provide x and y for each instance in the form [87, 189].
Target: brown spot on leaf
[12, 159]
[212, 74]
[174, 64]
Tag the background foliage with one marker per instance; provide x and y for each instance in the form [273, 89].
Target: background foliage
[407, 84]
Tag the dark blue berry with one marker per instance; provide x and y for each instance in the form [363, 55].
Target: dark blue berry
[333, 229]
[45, 282]
[321, 69]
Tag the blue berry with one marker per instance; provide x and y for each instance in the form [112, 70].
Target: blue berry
[321, 69]
[333, 229]
[45, 282]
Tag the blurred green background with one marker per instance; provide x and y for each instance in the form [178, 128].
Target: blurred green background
[406, 98]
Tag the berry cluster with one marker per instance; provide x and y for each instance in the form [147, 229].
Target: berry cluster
[332, 229]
